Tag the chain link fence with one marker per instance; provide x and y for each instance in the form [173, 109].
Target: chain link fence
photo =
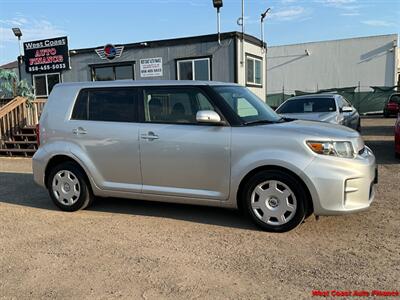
[364, 99]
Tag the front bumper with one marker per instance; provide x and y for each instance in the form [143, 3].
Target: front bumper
[342, 186]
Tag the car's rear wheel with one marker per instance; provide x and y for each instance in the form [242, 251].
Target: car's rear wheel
[275, 200]
[68, 187]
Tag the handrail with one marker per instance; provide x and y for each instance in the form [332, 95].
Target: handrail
[17, 114]
[11, 105]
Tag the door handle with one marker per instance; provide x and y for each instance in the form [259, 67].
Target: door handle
[79, 131]
[149, 136]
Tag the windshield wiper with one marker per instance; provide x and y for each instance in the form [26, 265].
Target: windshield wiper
[261, 122]
[287, 119]
[280, 120]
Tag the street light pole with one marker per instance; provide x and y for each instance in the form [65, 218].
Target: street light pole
[219, 26]
[263, 15]
[18, 34]
[242, 23]
[19, 58]
[218, 4]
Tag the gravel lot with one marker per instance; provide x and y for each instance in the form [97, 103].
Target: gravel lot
[135, 249]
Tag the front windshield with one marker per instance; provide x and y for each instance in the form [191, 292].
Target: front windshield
[248, 107]
[307, 105]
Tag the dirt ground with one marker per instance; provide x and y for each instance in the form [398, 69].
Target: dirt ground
[135, 249]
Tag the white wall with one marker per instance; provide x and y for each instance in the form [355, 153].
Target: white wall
[254, 50]
[339, 63]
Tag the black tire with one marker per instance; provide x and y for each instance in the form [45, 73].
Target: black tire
[292, 183]
[85, 197]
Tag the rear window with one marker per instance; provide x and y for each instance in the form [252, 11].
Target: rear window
[308, 105]
[110, 105]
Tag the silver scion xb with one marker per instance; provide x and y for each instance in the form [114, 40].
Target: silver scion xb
[332, 108]
[205, 143]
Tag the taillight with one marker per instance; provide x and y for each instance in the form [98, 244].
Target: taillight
[37, 130]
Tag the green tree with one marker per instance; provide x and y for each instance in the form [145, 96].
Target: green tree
[11, 87]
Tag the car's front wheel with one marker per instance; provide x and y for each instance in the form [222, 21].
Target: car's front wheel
[275, 200]
[68, 187]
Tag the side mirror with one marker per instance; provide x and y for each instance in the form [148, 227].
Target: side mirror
[208, 116]
[347, 109]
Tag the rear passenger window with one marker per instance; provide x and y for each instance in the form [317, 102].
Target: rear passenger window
[111, 105]
[80, 109]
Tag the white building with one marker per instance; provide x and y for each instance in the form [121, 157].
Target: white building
[359, 62]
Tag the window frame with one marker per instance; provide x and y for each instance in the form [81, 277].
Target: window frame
[137, 105]
[193, 59]
[47, 82]
[113, 66]
[254, 58]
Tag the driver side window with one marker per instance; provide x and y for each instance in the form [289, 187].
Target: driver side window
[174, 105]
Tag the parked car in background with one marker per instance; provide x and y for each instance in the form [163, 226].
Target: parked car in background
[397, 136]
[330, 108]
[205, 143]
[392, 106]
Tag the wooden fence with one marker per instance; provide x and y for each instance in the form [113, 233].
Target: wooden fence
[16, 114]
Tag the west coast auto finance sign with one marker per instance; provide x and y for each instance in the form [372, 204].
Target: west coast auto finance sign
[46, 56]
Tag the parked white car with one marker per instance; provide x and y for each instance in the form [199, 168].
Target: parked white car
[204, 143]
[331, 108]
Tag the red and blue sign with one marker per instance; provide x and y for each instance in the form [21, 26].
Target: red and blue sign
[110, 51]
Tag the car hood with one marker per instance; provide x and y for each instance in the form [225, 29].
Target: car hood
[318, 131]
[322, 116]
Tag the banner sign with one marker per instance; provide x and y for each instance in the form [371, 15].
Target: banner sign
[151, 67]
[46, 56]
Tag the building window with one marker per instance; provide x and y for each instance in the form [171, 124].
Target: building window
[44, 83]
[254, 71]
[194, 69]
[116, 72]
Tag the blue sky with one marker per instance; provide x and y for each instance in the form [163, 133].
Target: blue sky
[90, 23]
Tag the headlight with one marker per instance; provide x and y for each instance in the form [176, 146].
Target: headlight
[339, 149]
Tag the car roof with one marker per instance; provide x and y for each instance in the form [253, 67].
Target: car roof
[133, 83]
